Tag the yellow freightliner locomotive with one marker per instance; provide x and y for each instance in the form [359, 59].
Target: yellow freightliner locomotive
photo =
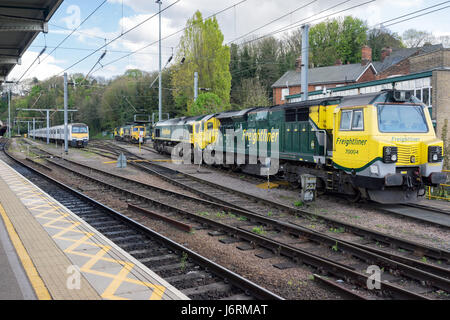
[380, 146]
[130, 133]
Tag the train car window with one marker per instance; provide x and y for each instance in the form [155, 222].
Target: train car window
[346, 120]
[210, 125]
[197, 128]
[156, 132]
[290, 115]
[358, 120]
[302, 114]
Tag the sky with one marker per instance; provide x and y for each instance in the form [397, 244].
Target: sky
[117, 16]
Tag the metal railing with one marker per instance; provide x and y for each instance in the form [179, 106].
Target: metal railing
[442, 192]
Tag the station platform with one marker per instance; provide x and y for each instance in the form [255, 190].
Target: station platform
[47, 252]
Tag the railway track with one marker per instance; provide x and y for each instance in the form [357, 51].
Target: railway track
[194, 275]
[306, 246]
[231, 197]
[428, 214]
[416, 212]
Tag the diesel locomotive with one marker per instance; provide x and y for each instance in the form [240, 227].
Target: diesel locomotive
[379, 146]
[130, 133]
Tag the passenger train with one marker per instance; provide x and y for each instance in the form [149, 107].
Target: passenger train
[78, 134]
[379, 146]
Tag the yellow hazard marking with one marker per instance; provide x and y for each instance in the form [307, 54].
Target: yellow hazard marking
[155, 160]
[32, 274]
[269, 185]
[57, 218]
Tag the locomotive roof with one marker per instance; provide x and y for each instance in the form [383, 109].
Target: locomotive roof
[307, 104]
[359, 100]
[234, 114]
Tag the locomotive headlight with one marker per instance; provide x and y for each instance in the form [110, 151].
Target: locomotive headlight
[434, 153]
[390, 154]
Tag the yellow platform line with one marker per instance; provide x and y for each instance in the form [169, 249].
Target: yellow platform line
[36, 282]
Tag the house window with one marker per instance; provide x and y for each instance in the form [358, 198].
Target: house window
[284, 93]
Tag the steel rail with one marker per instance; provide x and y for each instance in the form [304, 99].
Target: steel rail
[229, 276]
[292, 252]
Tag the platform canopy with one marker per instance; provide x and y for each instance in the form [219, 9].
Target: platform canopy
[20, 23]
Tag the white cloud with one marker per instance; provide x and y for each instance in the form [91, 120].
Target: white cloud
[49, 67]
[235, 22]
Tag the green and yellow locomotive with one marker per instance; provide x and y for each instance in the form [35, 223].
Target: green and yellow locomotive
[379, 146]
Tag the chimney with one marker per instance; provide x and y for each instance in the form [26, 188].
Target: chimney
[385, 52]
[366, 55]
[338, 62]
[298, 64]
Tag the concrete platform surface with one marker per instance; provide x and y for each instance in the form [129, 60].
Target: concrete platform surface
[62, 256]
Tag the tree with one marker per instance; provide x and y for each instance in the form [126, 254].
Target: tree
[206, 103]
[253, 94]
[202, 51]
[415, 38]
[337, 39]
[378, 39]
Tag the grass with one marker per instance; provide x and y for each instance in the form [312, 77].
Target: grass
[337, 230]
[259, 230]
[183, 261]
[220, 214]
[204, 213]
[242, 218]
[299, 203]
[335, 247]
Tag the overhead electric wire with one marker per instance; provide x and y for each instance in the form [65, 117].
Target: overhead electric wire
[95, 10]
[75, 29]
[420, 15]
[170, 35]
[405, 15]
[119, 36]
[272, 21]
[299, 22]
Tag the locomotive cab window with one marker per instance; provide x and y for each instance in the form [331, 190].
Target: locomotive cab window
[358, 120]
[352, 120]
[401, 118]
[346, 120]
[210, 125]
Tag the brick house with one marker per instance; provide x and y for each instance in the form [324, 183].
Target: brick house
[424, 72]
[325, 77]
[394, 62]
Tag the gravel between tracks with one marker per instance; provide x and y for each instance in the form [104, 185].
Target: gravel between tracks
[340, 209]
[293, 284]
